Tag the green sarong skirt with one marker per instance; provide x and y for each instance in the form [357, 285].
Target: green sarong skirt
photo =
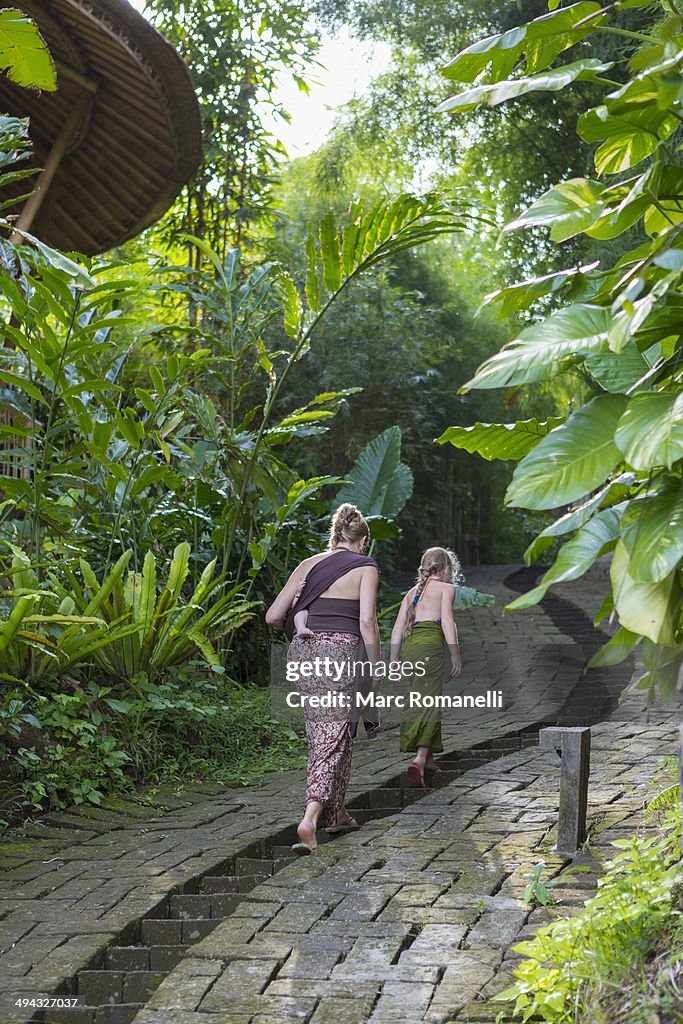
[421, 726]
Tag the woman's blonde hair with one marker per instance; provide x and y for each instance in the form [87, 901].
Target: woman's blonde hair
[348, 525]
[435, 562]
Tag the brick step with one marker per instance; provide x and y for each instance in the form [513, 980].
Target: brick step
[189, 907]
[175, 933]
[259, 867]
[283, 853]
[218, 883]
[116, 1013]
[247, 882]
[99, 988]
[384, 797]
[143, 958]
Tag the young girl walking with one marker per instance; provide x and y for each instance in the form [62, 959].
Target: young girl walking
[425, 635]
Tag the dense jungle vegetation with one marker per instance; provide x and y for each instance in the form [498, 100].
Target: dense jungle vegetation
[181, 414]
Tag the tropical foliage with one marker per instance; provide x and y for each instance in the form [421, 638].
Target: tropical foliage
[236, 54]
[145, 436]
[613, 467]
[23, 54]
[379, 483]
[615, 959]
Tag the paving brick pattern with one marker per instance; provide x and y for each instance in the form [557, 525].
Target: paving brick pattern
[197, 912]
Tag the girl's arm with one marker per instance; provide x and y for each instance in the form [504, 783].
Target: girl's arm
[397, 631]
[275, 615]
[449, 628]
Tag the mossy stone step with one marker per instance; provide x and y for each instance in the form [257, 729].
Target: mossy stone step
[189, 907]
[218, 884]
[161, 932]
[165, 958]
[138, 986]
[223, 904]
[127, 958]
[117, 1013]
[260, 867]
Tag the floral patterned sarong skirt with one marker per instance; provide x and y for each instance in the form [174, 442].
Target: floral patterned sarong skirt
[328, 729]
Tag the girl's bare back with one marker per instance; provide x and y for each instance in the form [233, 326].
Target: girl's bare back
[428, 608]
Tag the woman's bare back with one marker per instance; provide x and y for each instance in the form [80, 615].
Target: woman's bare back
[348, 585]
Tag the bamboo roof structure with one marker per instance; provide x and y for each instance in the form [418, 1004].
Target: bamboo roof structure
[117, 140]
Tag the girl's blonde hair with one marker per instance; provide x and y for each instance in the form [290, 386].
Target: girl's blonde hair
[348, 525]
[435, 562]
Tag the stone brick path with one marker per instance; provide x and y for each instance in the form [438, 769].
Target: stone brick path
[409, 919]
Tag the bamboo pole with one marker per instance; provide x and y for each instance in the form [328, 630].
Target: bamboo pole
[61, 144]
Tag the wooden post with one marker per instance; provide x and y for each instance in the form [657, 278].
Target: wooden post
[59, 147]
[573, 746]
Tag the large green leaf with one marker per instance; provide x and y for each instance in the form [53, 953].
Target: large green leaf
[616, 650]
[652, 531]
[646, 608]
[650, 432]
[543, 39]
[517, 297]
[369, 237]
[575, 518]
[577, 555]
[628, 138]
[492, 94]
[330, 252]
[378, 483]
[292, 306]
[23, 53]
[470, 597]
[499, 440]
[665, 664]
[567, 209]
[571, 460]
[546, 349]
[617, 371]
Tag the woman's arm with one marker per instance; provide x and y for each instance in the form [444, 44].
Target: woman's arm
[449, 629]
[368, 611]
[275, 615]
[397, 631]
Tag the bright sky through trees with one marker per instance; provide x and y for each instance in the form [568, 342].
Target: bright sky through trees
[348, 66]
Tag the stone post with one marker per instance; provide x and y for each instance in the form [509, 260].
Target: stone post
[573, 744]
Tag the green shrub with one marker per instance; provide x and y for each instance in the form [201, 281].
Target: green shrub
[570, 963]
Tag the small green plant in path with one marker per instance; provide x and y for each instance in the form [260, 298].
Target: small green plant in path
[538, 891]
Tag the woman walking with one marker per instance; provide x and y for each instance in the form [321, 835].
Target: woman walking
[338, 590]
[425, 633]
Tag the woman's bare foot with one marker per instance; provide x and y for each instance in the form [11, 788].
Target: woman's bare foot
[432, 766]
[306, 833]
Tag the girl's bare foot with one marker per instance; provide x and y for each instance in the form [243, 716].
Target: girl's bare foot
[416, 778]
[432, 766]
